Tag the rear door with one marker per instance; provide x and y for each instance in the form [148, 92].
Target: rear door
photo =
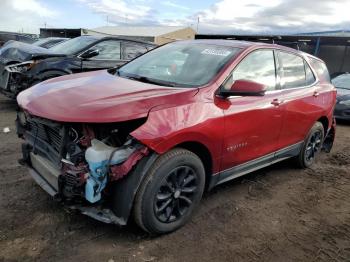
[109, 56]
[299, 97]
[252, 124]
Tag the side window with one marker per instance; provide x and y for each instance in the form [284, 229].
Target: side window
[309, 76]
[108, 50]
[293, 72]
[132, 50]
[321, 70]
[259, 66]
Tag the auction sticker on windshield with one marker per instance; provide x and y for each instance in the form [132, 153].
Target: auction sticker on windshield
[216, 52]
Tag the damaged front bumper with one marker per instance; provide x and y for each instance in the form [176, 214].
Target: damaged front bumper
[71, 183]
[98, 211]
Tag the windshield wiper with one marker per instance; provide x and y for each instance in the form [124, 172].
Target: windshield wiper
[145, 79]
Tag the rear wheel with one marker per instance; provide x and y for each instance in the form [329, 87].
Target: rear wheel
[171, 191]
[312, 146]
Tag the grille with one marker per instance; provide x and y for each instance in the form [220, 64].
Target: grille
[46, 136]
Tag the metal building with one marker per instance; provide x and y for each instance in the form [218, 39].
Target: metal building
[155, 34]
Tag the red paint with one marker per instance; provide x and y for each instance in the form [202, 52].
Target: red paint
[255, 125]
[243, 86]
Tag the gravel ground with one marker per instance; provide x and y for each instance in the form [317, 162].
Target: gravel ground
[279, 213]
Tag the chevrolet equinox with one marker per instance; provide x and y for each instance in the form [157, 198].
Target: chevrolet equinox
[147, 139]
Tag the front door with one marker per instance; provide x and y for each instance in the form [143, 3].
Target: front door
[252, 124]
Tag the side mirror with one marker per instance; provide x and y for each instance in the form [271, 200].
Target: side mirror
[90, 53]
[244, 88]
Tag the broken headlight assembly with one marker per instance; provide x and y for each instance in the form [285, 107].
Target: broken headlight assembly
[22, 67]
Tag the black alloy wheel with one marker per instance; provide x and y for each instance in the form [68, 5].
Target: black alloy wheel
[170, 192]
[175, 195]
[312, 146]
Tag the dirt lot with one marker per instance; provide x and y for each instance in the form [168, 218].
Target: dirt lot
[277, 214]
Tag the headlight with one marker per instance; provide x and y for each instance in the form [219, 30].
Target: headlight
[22, 67]
[345, 102]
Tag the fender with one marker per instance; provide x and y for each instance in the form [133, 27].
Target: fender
[196, 122]
[125, 189]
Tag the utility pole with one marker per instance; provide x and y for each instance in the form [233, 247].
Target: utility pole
[197, 24]
[107, 20]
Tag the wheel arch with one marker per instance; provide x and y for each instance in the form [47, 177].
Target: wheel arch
[204, 155]
[325, 123]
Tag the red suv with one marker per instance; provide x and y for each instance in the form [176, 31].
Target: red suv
[148, 138]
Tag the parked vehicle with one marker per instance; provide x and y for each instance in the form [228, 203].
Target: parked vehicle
[49, 41]
[44, 42]
[151, 136]
[23, 65]
[342, 108]
[8, 36]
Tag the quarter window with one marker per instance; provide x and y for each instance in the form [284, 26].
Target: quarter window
[321, 70]
[258, 66]
[108, 50]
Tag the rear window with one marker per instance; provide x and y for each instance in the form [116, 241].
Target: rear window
[321, 70]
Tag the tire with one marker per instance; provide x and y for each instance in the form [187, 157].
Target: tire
[172, 189]
[311, 147]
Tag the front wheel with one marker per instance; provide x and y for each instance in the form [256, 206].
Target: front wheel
[312, 146]
[171, 191]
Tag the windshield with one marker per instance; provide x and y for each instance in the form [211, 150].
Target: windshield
[41, 41]
[342, 81]
[73, 46]
[180, 64]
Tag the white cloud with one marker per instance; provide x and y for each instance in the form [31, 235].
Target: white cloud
[25, 15]
[174, 5]
[275, 16]
[119, 11]
[32, 7]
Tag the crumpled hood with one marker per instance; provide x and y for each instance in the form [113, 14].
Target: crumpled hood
[21, 52]
[97, 97]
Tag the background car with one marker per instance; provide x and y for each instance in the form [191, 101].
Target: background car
[342, 108]
[44, 42]
[6, 36]
[24, 65]
[49, 41]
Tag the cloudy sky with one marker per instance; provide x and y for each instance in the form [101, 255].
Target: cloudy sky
[221, 16]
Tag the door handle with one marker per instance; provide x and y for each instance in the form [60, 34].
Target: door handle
[316, 94]
[276, 102]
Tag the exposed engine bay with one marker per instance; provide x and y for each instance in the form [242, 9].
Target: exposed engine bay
[85, 159]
